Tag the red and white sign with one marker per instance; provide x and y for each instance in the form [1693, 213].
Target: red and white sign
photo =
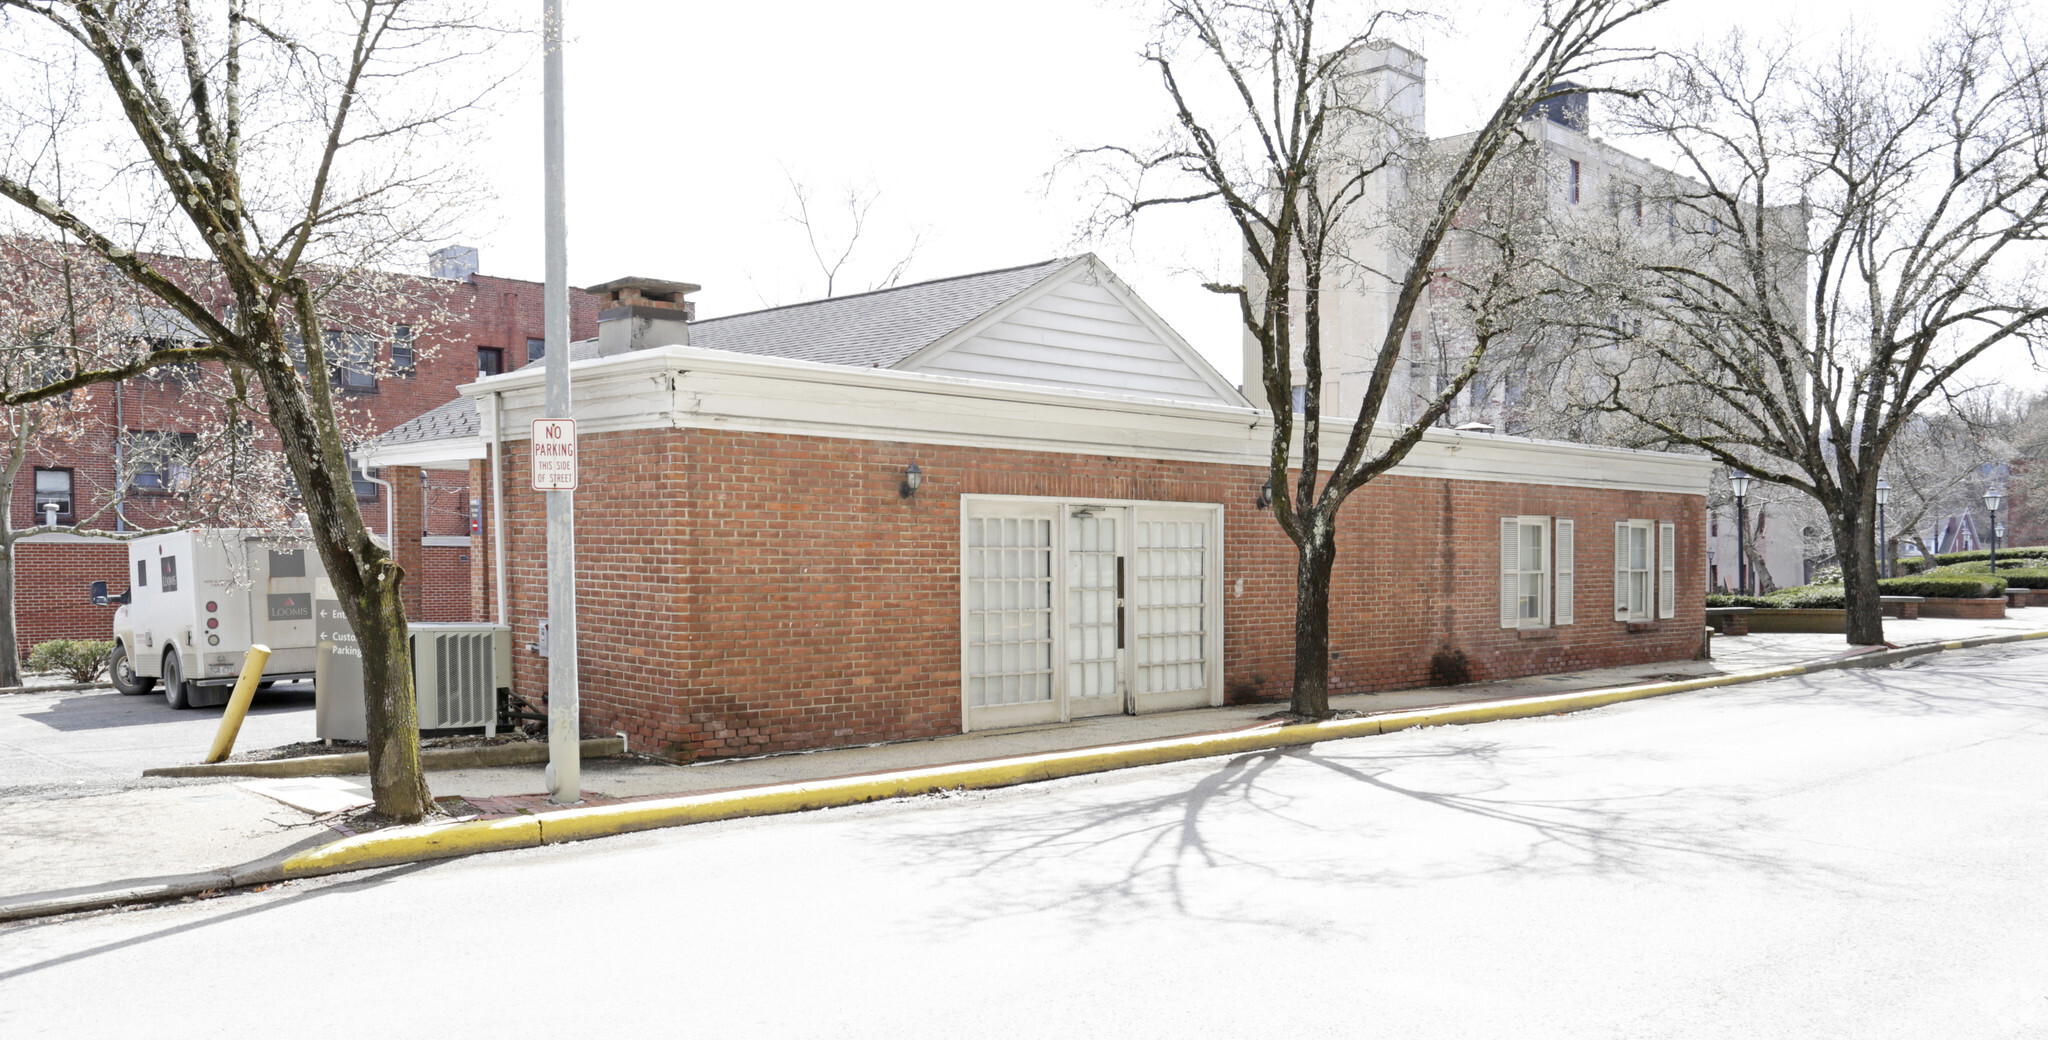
[554, 454]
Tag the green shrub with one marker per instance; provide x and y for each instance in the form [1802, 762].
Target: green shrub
[1808, 597]
[2025, 577]
[1827, 576]
[81, 659]
[1937, 585]
[2016, 552]
[1718, 599]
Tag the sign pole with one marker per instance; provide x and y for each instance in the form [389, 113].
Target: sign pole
[565, 767]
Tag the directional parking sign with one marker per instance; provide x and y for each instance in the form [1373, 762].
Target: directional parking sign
[554, 454]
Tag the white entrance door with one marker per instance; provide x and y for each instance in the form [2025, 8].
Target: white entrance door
[1007, 611]
[1071, 609]
[1095, 610]
[1169, 598]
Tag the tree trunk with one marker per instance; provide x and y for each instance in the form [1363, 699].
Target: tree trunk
[1859, 582]
[1312, 620]
[366, 580]
[10, 646]
[390, 711]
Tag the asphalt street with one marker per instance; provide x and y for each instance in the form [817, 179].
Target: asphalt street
[73, 743]
[1850, 854]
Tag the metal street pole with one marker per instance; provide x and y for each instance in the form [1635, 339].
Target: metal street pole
[1993, 496]
[565, 730]
[1884, 546]
[1739, 482]
[1742, 543]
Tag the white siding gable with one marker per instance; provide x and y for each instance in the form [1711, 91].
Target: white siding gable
[1080, 330]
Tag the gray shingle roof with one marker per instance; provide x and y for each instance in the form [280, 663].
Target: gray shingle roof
[873, 329]
[457, 418]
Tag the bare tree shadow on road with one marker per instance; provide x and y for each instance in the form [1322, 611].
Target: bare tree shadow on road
[1225, 847]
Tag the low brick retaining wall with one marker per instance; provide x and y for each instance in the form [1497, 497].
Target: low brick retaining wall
[1802, 620]
[1730, 621]
[1972, 609]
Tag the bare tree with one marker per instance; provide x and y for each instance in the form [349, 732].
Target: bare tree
[833, 247]
[293, 148]
[1859, 229]
[1937, 467]
[1276, 122]
[58, 317]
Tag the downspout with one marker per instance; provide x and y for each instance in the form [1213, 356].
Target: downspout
[390, 506]
[120, 474]
[498, 517]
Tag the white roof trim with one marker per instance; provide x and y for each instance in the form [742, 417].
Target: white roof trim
[695, 388]
[447, 453]
[1110, 283]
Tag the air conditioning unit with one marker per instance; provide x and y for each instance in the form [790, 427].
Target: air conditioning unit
[457, 670]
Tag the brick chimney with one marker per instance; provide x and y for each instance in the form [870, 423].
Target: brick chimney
[636, 313]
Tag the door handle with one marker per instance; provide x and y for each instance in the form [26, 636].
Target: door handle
[1119, 603]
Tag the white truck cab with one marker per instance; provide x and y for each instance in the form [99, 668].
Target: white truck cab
[199, 599]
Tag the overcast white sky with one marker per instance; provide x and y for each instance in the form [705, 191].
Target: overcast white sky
[683, 117]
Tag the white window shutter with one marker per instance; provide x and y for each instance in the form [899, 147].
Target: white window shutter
[1621, 570]
[1510, 572]
[1667, 570]
[1561, 591]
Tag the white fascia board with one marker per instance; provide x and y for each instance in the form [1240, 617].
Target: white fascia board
[696, 388]
[453, 453]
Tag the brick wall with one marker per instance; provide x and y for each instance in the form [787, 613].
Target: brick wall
[453, 319]
[443, 585]
[741, 593]
[50, 589]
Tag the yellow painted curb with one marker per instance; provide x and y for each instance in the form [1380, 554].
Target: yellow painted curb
[412, 844]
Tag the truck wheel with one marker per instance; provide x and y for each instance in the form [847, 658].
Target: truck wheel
[176, 693]
[122, 672]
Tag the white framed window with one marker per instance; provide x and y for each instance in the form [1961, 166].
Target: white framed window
[1536, 564]
[1645, 570]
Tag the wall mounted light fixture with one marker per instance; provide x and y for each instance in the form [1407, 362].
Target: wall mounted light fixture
[1265, 495]
[913, 478]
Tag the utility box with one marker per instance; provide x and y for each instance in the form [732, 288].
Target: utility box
[460, 671]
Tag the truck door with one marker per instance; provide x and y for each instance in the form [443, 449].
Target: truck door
[284, 612]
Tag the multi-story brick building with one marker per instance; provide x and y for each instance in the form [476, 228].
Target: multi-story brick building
[406, 357]
[1013, 498]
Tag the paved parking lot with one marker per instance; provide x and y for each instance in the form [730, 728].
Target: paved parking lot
[84, 742]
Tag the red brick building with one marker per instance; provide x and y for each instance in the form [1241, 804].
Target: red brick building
[437, 334]
[757, 572]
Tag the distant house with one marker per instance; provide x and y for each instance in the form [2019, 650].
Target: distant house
[1010, 498]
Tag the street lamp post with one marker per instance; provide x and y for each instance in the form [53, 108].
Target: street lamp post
[1884, 559]
[1992, 498]
[1739, 481]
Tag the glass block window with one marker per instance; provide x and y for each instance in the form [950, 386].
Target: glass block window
[1169, 643]
[1009, 610]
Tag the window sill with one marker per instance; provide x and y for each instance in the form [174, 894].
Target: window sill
[1536, 633]
[1642, 626]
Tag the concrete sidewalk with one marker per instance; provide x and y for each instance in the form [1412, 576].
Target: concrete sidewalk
[72, 848]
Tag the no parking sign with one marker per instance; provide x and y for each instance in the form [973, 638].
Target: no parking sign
[554, 454]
